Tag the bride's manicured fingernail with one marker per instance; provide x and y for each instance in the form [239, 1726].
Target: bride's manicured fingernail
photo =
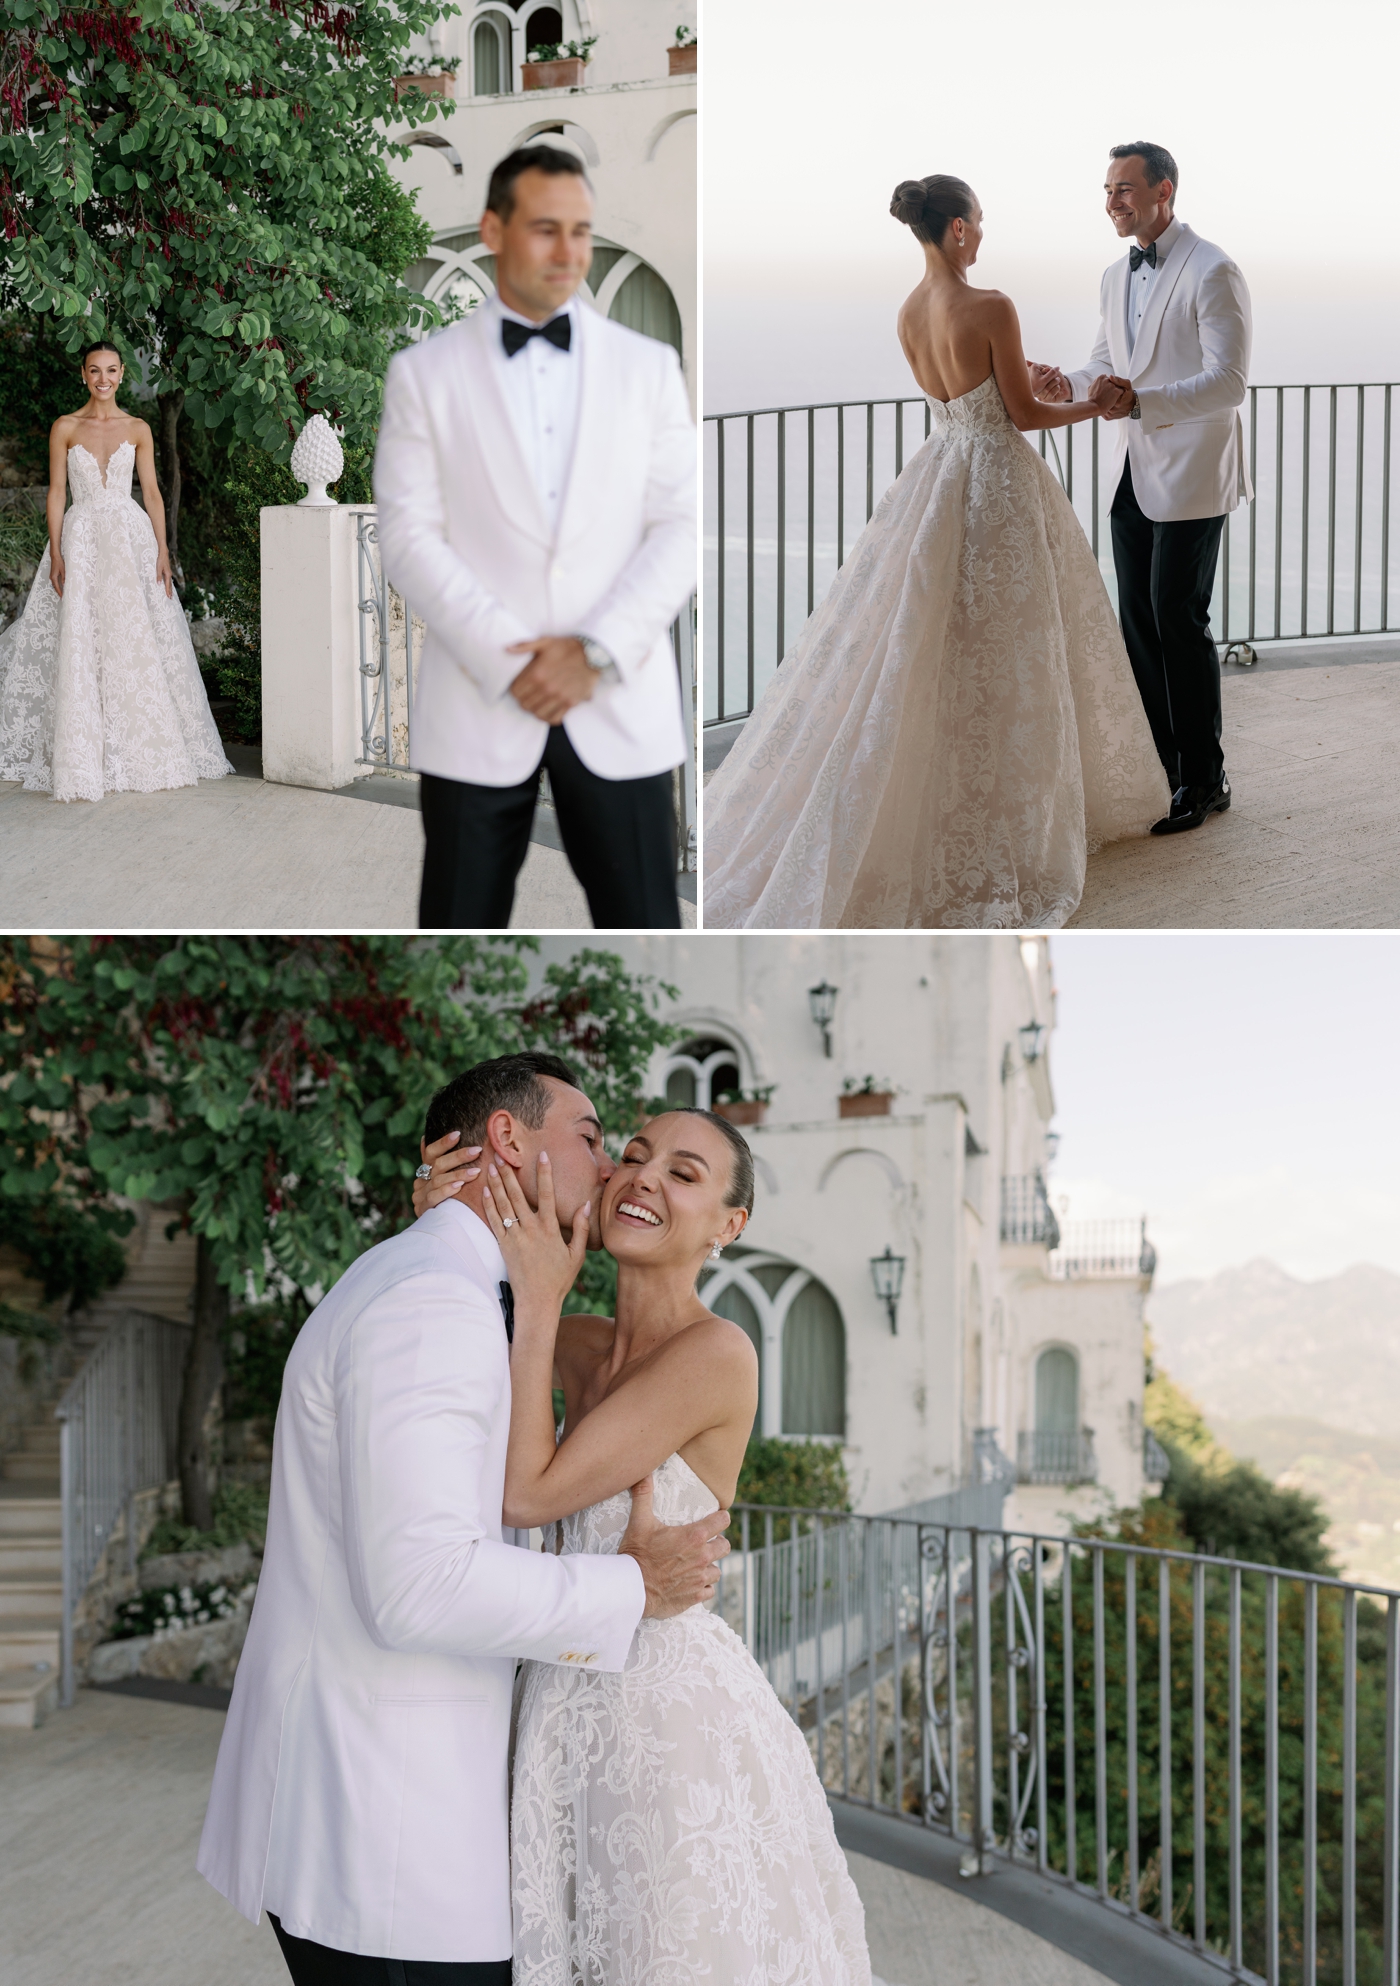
[470, 1151]
[453, 1136]
[544, 1158]
[472, 1172]
[492, 1169]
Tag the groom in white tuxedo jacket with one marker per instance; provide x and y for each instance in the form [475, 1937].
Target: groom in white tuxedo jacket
[360, 1795]
[536, 480]
[1175, 332]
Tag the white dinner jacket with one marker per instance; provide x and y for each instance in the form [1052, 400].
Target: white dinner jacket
[1190, 365]
[465, 541]
[360, 1792]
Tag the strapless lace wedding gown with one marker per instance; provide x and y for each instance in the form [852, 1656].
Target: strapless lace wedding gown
[667, 1824]
[100, 691]
[957, 725]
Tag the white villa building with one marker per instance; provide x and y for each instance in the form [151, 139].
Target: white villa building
[1009, 1364]
[632, 123]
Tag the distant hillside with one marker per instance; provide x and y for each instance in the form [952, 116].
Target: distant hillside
[1256, 1343]
[1304, 1379]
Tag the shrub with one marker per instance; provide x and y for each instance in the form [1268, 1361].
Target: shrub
[240, 1517]
[165, 1610]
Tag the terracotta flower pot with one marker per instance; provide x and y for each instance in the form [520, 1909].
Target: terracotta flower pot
[565, 74]
[684, 61]
[866, 1103]
[742, 1113]
[428, 86]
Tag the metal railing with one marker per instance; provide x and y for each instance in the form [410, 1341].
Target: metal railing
[1026, 1213]
[1043, 1457]
[390, 648]
[789, 489]
[119, 1419]
[1209, 1749]
[1106, 1248]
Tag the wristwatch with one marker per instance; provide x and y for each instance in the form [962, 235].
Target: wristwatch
[1135, 411]
[594, 653]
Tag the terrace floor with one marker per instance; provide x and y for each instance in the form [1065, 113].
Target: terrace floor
[1312, 838]
[241, 854]
[116, 1787]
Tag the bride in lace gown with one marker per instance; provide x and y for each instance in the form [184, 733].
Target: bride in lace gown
[957, 726]
[667, 1824]
[99, 688]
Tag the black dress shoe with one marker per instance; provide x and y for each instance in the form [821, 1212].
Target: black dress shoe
[1191, 805]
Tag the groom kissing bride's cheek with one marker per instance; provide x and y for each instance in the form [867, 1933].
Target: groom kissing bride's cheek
[363, 1794]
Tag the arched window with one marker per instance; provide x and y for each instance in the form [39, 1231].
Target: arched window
[796, 1324]
[491, 64]
[545, 25]
[1057, 1392]
[644, 303]
[701, 1071]
[814, 1364]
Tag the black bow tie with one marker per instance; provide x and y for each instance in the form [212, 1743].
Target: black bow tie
[1137, 256]
[508, 1306]
[515, 337]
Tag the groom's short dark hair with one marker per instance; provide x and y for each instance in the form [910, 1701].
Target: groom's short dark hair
[500, 194]
[510, 1082]
[1157, 162]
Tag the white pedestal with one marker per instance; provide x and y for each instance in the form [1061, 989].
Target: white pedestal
[310, 646]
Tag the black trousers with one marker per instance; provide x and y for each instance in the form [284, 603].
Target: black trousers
[311, 1964]
[1165, 576]
[619, 836]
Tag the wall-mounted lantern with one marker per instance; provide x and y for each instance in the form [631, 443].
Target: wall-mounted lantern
[822, 1000]
[1032, 1037]
[887, 1274]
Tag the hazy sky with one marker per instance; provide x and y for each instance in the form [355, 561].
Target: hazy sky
[1242, 1091]
[1281, 119]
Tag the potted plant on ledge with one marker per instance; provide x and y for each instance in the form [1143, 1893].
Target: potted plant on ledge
[430, 75]
[557, 65]
[744, 1106]
[684, 57]
[866, 1099]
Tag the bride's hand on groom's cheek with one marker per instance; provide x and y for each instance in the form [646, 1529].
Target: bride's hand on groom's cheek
[452, 1170]
[540, 1262]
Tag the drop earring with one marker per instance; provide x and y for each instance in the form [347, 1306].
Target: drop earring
[716, 1251]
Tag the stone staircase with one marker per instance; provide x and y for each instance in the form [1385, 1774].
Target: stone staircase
[160, 1280]
[31, 1577]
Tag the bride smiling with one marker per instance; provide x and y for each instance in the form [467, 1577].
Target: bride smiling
[99, 688]
[667, 1823]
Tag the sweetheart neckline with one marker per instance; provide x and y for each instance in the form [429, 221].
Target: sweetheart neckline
[102, 467]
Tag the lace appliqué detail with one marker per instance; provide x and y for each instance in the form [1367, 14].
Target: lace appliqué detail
[667, 1824]
[100, 691]
[956, 727]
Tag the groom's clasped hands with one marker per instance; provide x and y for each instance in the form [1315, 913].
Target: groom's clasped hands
[679, 1562]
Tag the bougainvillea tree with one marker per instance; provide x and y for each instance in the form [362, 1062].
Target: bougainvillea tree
[206, 183]
[270, 1092]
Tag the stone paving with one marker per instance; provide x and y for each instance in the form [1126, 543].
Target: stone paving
[1312, 838]
[237, 854]
[99, 1822]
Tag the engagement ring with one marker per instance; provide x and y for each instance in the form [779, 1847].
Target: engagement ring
[423, 1172]
[507, 1221]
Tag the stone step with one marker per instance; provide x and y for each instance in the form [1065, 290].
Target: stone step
[30, 1469]
[22, 1598]
[23, 1641]
[36, 1558]
[37, 1516]
[41, 1440]
[27, 1696]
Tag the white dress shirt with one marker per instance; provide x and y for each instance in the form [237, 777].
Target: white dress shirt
[540, 386]
[482, 1240]
[1141, 280]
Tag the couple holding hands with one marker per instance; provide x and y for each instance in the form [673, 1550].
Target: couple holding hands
[963, 720]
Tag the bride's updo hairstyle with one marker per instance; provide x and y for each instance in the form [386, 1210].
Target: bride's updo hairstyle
[102, 345]
[926, 206]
